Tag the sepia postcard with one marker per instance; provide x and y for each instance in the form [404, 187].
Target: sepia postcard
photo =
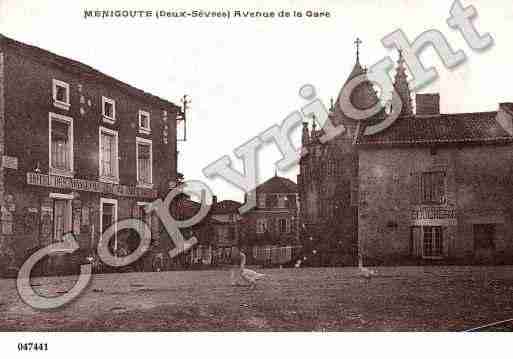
[176, 170]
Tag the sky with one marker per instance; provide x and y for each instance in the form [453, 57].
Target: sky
[243, 75]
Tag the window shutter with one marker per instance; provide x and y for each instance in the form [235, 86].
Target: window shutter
[417, 242]
[445, 241]
[416, 188]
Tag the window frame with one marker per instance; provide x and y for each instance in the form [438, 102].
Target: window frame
[57, 103]
[69, 121]
[479, 241]
[102, 177]
[262, 200]
[144, 141]
[423, 187]
[433, 255]
[286, 222]
[110, 120]
[261, 223]
[69, 213]
[113, 201]
[145, 130]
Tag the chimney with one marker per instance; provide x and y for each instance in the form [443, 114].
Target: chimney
[505, 117]
[427, 104]
[214, 199]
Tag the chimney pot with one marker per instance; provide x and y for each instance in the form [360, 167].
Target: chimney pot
[427, 104]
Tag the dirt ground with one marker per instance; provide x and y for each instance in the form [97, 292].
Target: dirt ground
[298, 299]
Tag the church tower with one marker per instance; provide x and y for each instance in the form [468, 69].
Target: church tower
[328, 178]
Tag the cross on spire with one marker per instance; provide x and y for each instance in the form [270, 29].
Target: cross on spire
[358, 42]
[401, 59]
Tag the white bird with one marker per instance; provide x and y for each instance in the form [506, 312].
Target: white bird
[365, 272]
[248, 275]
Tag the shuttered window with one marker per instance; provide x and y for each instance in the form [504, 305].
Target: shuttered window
[108, 154]
[484, 236]
[432, 187]
[144, 162]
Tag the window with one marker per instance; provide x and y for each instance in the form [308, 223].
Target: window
[60, 94]
[282, 201]
[484, 235]
[60, 145]
[261, 201]
[108, 155]
[261, 225]
[144, 122]
[283, 225]
[108, 110]
[272, 200]
[108, 217]
[432, 186]
[142, 215]
[61, 215]
[432, 242]
[144, 162]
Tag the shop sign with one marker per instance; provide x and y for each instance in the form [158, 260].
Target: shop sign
[76, 184]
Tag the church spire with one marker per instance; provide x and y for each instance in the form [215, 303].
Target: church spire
[358, 43]
[305, 136]
[402, 87]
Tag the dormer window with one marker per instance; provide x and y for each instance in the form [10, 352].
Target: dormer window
[108, 110]
[144, 122]
[60, 94]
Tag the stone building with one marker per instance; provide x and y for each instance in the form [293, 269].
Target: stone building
[226, 222]
[79, 151]
[270, 231]
[436, 188]
[431, 187]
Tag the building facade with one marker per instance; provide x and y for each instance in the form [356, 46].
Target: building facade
[436, 188]
[270, 231]
[430, 188]
[226, 221]
[80, 150]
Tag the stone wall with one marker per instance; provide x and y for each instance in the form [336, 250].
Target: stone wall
[478, 190]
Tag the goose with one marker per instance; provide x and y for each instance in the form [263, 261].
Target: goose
[365, 272]
[248, 275]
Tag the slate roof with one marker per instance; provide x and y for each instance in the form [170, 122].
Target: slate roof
[508, 106]
[78, 68]
[225, 207]
[461, 128]
[278, 185]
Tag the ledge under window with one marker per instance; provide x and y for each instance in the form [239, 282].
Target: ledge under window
[108, 120]
[112, 180]
[62, 173]
[61, 105]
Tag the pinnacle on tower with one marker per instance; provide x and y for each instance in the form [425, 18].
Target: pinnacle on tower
[305, 136]
[402, 87]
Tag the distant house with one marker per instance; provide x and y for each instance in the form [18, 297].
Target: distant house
[270, 231]
[226, 222]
